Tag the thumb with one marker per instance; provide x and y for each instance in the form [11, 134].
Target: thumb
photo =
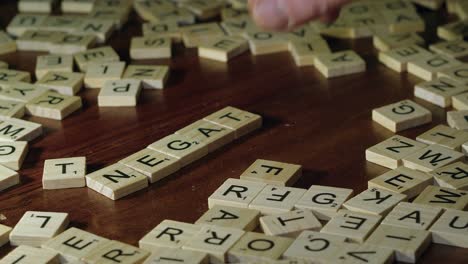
[287, 14]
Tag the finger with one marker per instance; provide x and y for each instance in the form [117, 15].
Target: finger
[286, 14]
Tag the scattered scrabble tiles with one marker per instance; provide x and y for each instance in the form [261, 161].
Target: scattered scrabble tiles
[222, 48]
[272, 172]
[458, 119]
[35, 228]
[116, 181]
[445, 198]
[444, 136]
[276, 199]
[64, 173]
[55, 63]
[232, 217]
[324, 201]
[339, 63]
[54, 105]
[16, 129]
[27, 254]
[12, 154]
[290, 224]
[116, 252]
[97, 74]
[450, 229]
[8, 178]
[427, 67]
[439, 91]
[412, 216]
[150, 47]
[152, 77]
[169, 234]
[67, 83]
[401, 115]
[453, 176]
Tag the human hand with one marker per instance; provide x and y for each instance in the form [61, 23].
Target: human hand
[287, 14]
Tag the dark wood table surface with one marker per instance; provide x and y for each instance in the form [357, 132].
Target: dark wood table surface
[324, 125]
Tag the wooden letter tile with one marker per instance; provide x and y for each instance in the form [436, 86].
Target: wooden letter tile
[7, 77]
[408, 244]
[212, 135]
[119, 93]
[458, 119]
[21, 92]
[439, 91]
[68, 83]
[163, 255]
[232, 217]
[374, 201]
[386, 42]
[152, 77]
[431, 158]
[101, 29]
[37, 40]
[98, 73]
[402, 180]
[53, 105]
[222, 48]
[304, 53]
[27, 254]
[401, 115]
[8, 178]
[397, 59]
[451, 229]
[452, 31]
[427, 67]
[390, 152]
[242, 122]
[116, 252]
[354, 226]
[36, 6]
[273, 172]
[454, 176]
[169, 234]
[276, 199]
[203, 9]
[194, 35]
[457, 73]
[235, 192]
[290, 224]
[456, 49]
[444, 198]
[116, 181]
[412, 216]
[162, 29]
[102, 54]
[22, 22]
[74, 244]
[261, 42]
[150, 47]
[339, 63]
[14, 129]
[10, 108]
[64, 173]
[35, 228]
[71, 44]
[181, 147]
[324, 201]
[216, 241]
[364, 253]
[55, 63]
[7, 44]
[255, 247]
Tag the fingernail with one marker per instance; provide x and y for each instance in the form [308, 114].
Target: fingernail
[271, 14]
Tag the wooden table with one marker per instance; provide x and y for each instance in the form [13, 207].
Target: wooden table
[325, 125]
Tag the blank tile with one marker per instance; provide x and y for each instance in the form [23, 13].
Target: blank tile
[4, 234]
[460, 101]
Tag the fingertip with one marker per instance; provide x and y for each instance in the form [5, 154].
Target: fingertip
[268, 14]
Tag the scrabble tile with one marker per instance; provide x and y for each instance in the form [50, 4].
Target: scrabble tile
[116, 252]
[276, 199]
[386, 42]
[8, 178]
[222, 48]
[181, 16]
[456, 49]
[102, 54]
[185, 149]
[454, 176]
[118, 16]
[238, 27]
[62, 23]
[338, 29]
[450, 229]
[116, 181]
[144, 9]
[169, 234]
[364, 253]
[23, 22]
[100, 72]
[255, 247]
[427, 67]
[21, 92]
[7, 44]
[7, 77]
[119, 93]
[216, 241]
[412, 216]
[304, 53]
[458, 119]
[194, 35]
[397, 59]
[174, 255]
[444, 136]
[339, 63]
[56, 63]
[404, 21]
[460, 101]
[261, 42]
[151, 76]
[242, 122]
[203, 9]
[232, 217]
[314, 245]
[3, 65]
[9, 108]
[155, 165]
[37, 40]
[444, 198]
[12, 154]
[64, 173]
[374, 201]
[14, 129]
[439, 91]
[74, 244]
[401, 115]
[458, 74]
[452, 31]
[35, 228]
[408, 244]
[54, 105]
[163, 30]
[303, 34]
[150, 47]
[77, 6]
[390, 152]
[431, 158]
[27, 254]
[236, 193]
[212, 135]
[67, 83]
[4, 234]
[354, 226]
[71, 44]
[323, 201]
[290, 224]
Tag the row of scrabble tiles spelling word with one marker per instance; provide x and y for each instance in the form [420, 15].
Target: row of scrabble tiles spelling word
[158, 160]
